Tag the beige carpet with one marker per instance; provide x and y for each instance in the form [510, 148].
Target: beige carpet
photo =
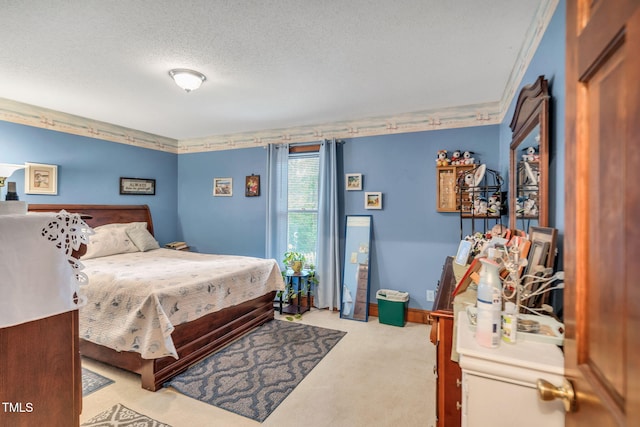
[378, 375]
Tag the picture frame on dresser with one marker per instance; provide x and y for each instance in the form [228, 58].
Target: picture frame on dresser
[545, 235]
[537, 255]
[464, 252]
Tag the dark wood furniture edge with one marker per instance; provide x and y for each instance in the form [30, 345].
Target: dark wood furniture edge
[219, 329]
[527, 106]
[448, 372]
[102, 214]
[42, 377]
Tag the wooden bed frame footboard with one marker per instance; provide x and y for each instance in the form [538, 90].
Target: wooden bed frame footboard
[193, 340]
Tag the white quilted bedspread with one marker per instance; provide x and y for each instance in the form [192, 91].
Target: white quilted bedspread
[136, 299]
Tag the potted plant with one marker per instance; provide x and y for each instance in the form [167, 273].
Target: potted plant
[306, 286]
[294, 260]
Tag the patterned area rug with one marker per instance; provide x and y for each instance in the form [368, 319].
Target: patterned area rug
[252, 376]
[92, 381]
[121, 416]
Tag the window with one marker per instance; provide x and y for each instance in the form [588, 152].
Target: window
[302, 204]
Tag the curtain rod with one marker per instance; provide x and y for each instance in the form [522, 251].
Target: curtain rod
[304, 144]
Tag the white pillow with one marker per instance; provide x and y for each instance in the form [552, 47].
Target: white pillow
[121, 225]
[141, 237]
[111, 239]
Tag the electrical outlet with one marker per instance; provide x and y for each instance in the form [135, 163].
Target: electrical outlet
[431, 295]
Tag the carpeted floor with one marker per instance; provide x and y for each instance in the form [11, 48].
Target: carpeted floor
[252, 376]
[377, 375]
[92, 381]
[121, 416]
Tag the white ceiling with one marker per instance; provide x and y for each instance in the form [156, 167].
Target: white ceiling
[270, 64]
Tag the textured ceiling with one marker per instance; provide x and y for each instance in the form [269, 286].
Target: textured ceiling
[270, 64]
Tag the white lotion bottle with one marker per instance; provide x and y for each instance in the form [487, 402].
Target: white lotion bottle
[489, 303]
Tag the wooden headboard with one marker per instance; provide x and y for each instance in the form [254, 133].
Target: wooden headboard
[103, 214]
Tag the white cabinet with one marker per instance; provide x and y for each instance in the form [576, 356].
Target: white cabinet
[499, 385]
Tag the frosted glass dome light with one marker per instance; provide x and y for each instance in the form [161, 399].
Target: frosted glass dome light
[187, 79]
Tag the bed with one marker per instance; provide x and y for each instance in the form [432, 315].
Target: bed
[191, 330]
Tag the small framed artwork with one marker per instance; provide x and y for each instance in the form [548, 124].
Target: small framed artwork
[548, 235]
[373, 200]
[470, 275]
[252, 186]
[138, 186]
[223, 187]
[537, 256]
[353, 181]
[464, 250]
[41, 179]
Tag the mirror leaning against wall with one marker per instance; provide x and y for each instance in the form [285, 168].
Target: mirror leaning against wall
[354, 295]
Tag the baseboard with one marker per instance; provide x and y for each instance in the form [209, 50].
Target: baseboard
[414, 315]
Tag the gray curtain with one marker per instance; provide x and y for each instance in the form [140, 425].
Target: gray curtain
[328, 263]
[277, 182]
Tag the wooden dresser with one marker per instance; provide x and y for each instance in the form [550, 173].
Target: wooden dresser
[448, 373]
[40, 373]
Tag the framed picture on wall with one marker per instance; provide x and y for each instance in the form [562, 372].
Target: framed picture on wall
[223, 187]
[353, 181]
[373, 200]
[138, 186]
[40, 179]
[252, 186]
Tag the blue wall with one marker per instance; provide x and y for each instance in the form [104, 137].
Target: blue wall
[89, 171]
[226, 225]
[410, 239]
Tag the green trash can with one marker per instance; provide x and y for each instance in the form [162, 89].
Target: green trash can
[392, 307]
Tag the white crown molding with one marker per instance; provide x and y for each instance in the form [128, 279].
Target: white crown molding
[527, 51]
[30, 115]
[449, 118]
[458, 117]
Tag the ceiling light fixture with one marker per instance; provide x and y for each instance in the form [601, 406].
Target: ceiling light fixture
[187, 79]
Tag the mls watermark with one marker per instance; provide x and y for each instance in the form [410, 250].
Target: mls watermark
[19, 407]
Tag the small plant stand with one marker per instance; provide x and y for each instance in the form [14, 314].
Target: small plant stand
[295, 285]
